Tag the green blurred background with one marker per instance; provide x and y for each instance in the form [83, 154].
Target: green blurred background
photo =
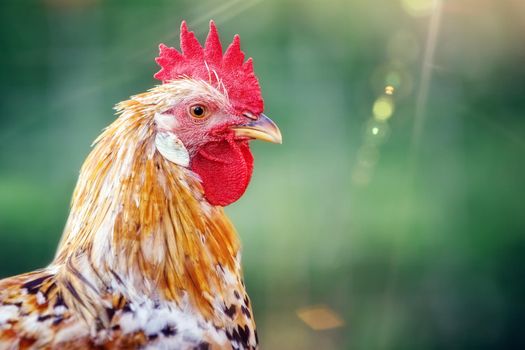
[395, 204]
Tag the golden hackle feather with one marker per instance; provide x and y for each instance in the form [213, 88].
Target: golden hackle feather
[154, 206]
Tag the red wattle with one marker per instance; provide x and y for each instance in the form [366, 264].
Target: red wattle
[225, 168]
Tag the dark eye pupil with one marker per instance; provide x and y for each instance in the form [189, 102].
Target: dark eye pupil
[198, 110]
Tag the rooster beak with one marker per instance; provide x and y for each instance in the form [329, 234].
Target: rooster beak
[260, 128]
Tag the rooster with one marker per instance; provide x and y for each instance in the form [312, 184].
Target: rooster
[148, 258]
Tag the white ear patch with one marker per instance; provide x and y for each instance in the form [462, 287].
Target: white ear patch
[171, 148]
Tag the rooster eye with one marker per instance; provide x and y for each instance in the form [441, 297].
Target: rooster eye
[198, 111]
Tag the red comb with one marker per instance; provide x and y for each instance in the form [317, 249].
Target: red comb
[209, 63]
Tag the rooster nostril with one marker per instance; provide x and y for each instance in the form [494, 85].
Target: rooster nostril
[250, 116]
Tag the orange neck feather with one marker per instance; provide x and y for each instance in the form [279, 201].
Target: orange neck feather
[143, 218]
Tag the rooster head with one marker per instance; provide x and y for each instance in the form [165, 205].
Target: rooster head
[211, 108]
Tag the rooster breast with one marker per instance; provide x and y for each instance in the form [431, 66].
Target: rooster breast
[34, 315]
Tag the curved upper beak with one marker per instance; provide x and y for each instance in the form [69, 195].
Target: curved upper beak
[260, 128]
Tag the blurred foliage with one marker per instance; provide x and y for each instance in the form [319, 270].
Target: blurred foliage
[408, 224]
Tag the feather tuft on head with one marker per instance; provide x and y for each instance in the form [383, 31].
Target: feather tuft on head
[228, 71]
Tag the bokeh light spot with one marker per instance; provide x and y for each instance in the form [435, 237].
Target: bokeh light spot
[395, 74]
[418, 8]
[320, 317]
[383, 108]
[377, 131]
